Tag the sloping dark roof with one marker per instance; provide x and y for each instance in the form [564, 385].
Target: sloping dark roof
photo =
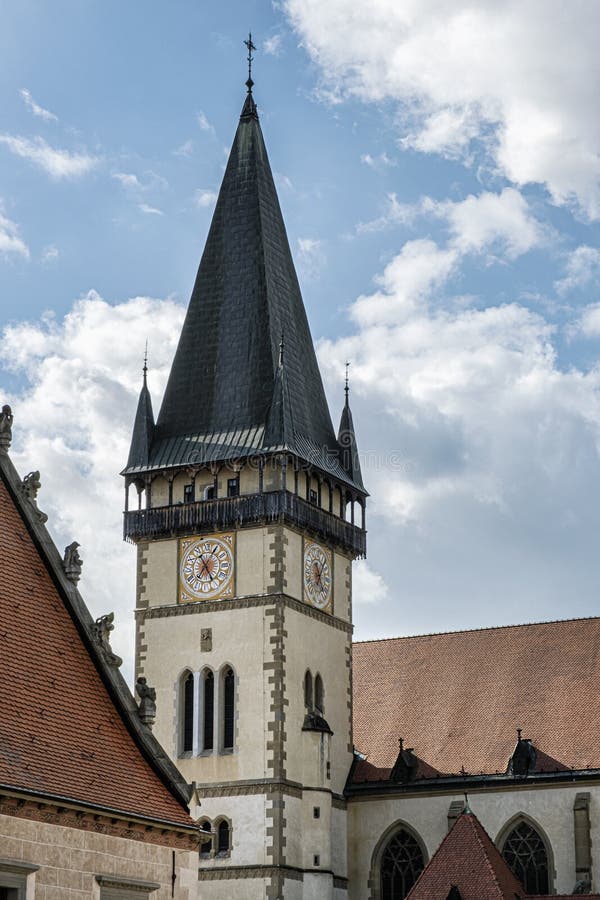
[143, 429]
[69, 726]
[224, 378]
[459, 697]
[468, 861]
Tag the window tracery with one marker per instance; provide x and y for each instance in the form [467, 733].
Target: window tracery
[525, 852]
[401, 864]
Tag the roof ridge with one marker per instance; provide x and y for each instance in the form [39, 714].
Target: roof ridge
[474, 822]
[405, 637]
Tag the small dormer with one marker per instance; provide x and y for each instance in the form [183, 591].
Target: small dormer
[524, 757]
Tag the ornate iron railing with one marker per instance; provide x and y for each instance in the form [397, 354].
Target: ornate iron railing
[247, 509]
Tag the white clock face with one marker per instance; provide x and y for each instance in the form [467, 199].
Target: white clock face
[317, 576]
[206, 568]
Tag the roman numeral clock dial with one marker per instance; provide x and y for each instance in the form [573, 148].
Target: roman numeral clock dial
[318, 579]
[206, 568]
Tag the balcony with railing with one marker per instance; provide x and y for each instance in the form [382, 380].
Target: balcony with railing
[237, 512]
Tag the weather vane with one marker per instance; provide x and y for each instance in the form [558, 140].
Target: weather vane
[250, 47]
[145, 369]
[347, 388]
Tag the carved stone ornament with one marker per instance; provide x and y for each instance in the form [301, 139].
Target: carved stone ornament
[206, 640]
[147, 706]
[72, 562]
[103, 627]
[30, 487]
[6, 420]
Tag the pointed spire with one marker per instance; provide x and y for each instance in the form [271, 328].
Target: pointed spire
[347, 439]
[143, 427]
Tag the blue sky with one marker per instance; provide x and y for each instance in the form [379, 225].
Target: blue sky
[438, 166]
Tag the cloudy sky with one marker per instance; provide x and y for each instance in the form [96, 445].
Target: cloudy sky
[438, 165]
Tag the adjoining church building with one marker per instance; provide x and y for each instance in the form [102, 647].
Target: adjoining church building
[438, 767]
[325, 769]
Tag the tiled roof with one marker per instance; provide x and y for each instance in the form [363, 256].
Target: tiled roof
[458, 698]
[468, 860]
[245, 325]
[63, 730]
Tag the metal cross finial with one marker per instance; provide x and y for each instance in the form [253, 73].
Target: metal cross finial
[251, 47]
[145, 369]
[347, 387]
[401, 742]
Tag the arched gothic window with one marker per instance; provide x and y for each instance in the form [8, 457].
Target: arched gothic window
[187, 712]
[208, 684]
[319, 695]
[308, 690]
[401, 864]
[525, 852]
[228, 709]
[223, 838]
[205, 842]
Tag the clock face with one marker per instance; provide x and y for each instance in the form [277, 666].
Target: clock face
[317, 576]
[206, 568]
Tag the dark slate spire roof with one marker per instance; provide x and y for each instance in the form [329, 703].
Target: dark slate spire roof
[226, 395]
[348, 447]
[143, 428]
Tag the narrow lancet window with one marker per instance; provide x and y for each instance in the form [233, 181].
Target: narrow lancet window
[308, 691]
[208, 683]
[228, 709]
[223, 838]
[319, 695]
[187, 736]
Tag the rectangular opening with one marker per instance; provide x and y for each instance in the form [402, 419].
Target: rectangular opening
[313, 497]
[233, 487]
[316, 812]
[188, 493]
[317, 860]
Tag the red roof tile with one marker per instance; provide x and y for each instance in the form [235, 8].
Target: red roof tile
[467, 859]
[458, 698]
[60, 731]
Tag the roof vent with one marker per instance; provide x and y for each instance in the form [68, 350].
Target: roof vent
[406, 765]
[522, 762]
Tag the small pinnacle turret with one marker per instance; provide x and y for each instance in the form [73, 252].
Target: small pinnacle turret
[347, 439]
[143, 428]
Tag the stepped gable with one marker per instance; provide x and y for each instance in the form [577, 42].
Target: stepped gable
[69, 726]
[459, 697]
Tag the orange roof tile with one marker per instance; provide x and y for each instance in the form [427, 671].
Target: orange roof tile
[458, 698]
[61, 733]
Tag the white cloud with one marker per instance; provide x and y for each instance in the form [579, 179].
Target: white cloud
[513, 83]
[35, 108]
[379, 162]
[394, 213]
[186, 149]
[273, 45]
[50, 254]
[203, 122]
[480, 222]
[11, 243]
[150, 210]
[204, 198]
[310, 257]
[73, 416]
[127, 180]
[150, 181]
[582, 268]
[368, 587]
[479, 450]
[589, 321]
[56, 163]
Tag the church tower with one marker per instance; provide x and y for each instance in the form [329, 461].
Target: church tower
[248, 513]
